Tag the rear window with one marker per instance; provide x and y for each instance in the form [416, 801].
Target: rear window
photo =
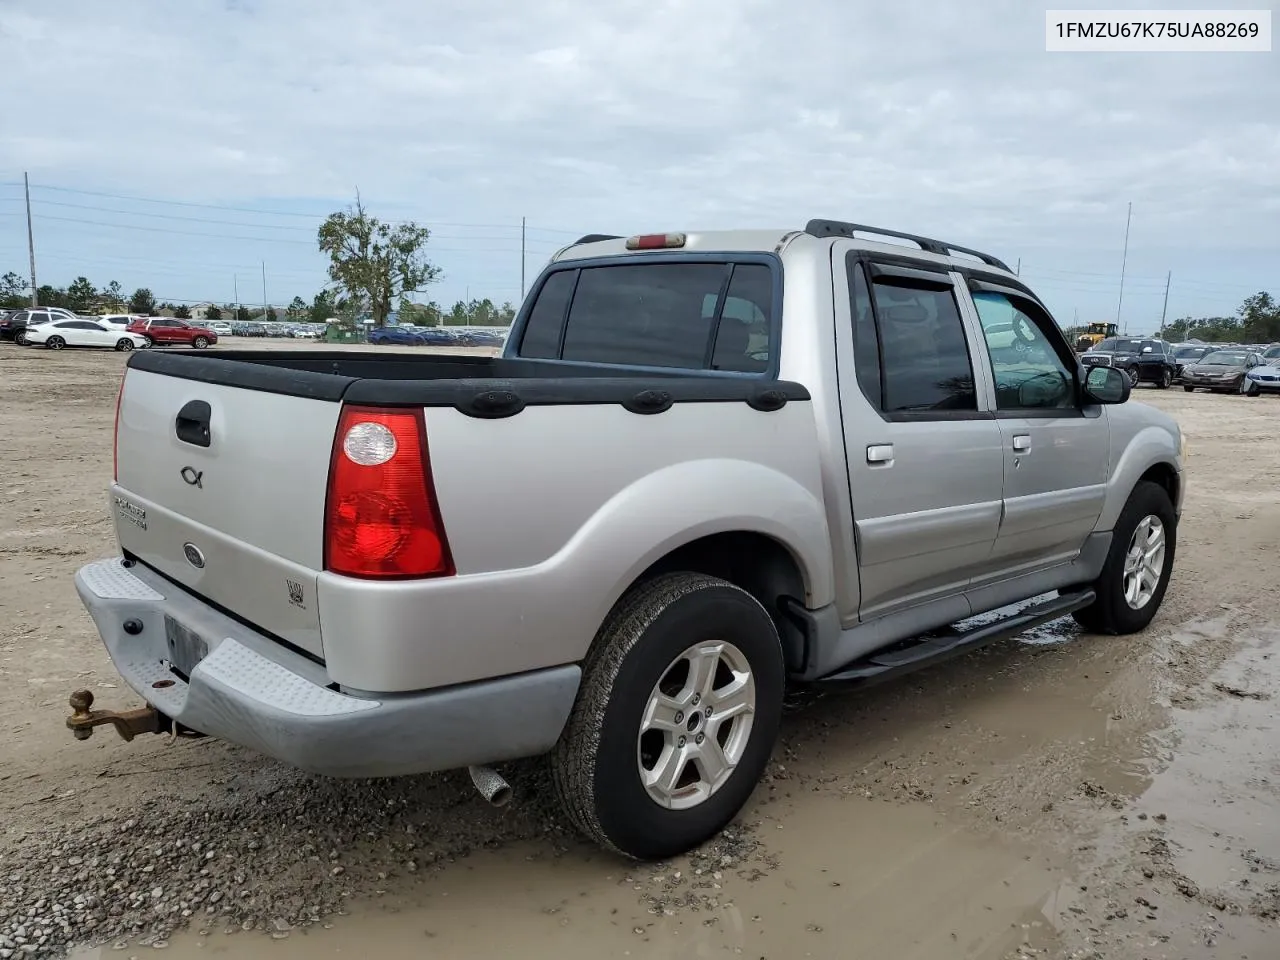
[694, 316]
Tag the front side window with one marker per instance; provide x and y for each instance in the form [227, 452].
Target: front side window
[1029, 372]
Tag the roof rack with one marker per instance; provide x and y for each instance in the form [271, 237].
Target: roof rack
[840, 228]
[595, 238]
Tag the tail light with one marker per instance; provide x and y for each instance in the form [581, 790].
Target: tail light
[382, 520]
[115, 436]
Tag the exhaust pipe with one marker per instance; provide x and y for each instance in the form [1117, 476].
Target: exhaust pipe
[491, 785]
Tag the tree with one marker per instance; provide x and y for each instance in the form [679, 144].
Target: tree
[213, 313]
[48, 296]
[142, 301]
[373, 260]
[242, 315]
[420, 314]
[297, 309]
[113, 296]
[1260, 316]
[13, 291]
[272, 316]
[322, 307]
[506, 315]
[81, 295]
[458, 316]
[182, 312]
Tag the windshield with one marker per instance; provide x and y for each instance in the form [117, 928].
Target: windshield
[1117, 345]
[1229, 358]
[1271, 353]
[1186, 353]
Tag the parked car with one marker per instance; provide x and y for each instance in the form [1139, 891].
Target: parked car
[169, 331]
[723, 489]
[221, 328]
[1187, 354]
[1221, 371]
[14, 326]
[84, 332]
[1271, 353]
[1263, 378]
[394, 335]
[1143, 361]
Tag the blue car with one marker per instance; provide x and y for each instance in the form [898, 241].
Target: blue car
[395, 335]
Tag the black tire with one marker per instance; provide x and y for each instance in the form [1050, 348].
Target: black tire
[1248, 387]
[55, 343]
[20, 338]
[200, 342]
[1166, 379]
[147, 342]
[1135, 377]
[1189, 388]
[596, 767]
[124, 344]
[1110, 612]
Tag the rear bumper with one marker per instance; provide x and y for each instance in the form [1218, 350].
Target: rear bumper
[252, 691]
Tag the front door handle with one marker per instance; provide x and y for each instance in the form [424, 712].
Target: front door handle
[1022, 443]
[880, 453]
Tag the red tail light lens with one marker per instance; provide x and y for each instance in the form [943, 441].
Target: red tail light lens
[382, 520]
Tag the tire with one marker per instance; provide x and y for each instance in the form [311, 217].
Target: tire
[200, 342]
[1189, 388]
[55, 343]
[124, 344]
[20, 338]
[1166, 379]
[1134, 376]
[147, 343]
[1247, 387]
[1112, 612]
[597, 764]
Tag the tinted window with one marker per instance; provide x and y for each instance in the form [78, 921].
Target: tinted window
[1029, 372]
[742, 339]
[542, 333]
[644, 314]
[866, 343]
[926, 359]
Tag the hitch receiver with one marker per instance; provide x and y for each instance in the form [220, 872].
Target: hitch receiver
[128, 723]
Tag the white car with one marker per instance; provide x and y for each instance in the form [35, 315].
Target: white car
[83, 333]
[221, 328]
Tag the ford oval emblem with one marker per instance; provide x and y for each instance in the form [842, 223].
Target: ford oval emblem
[194, 556]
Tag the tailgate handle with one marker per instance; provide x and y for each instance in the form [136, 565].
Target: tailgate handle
[192, 425]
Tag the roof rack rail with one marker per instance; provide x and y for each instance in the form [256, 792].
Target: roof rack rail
[595, 238]
[841, 228]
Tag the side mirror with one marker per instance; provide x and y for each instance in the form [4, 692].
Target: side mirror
[1146, 349]
[1106, 385]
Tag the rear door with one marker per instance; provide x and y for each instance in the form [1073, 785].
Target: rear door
[923, 449]
[223, 489]
[1056, 451]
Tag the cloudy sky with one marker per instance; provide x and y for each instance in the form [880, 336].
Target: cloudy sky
[179, 145]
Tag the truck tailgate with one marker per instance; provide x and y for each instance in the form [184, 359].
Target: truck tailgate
[236, 516]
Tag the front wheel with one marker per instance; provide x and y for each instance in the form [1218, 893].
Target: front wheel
[1136, 573]
[124, 344]
[200, 342]
[1134, 376]
[1248, 387]
[677, 715]
[55, 343]
[1189, 388]
[147, 342]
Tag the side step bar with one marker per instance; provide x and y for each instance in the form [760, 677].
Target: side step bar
[899, 660]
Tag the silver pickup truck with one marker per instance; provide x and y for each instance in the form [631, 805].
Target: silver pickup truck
[705, 465]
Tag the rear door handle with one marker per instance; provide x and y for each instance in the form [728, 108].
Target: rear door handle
[1022, 443]
[880, 453]
[192, 423]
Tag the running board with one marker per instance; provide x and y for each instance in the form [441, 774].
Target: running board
[899, 660]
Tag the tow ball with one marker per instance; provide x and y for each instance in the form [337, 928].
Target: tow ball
[128, 723]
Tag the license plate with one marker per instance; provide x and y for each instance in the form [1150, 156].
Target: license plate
[186, 649]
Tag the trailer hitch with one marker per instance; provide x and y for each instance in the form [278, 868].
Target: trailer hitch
[128, 723]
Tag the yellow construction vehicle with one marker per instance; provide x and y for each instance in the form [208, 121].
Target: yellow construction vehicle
[1095, 333]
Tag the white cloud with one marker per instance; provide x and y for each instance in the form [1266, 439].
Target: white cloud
[931, 116]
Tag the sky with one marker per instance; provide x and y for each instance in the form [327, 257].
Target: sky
[186, 146]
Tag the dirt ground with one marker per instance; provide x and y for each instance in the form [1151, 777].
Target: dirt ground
[1066, 796]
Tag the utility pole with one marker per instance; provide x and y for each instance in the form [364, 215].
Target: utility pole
[522, 258]
[31, 243]
[264, 290]
[1123, 262]
[1017, 271]
[1165, 309]
[235, 285]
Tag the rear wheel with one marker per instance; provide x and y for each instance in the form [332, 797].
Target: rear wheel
[1136, 574]
[1189, 388]
[678, 711]
[1166, 379]
[200, 342]
[20, 338]
[55, 343]
[124, 344]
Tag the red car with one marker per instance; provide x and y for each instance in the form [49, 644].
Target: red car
[167, 331]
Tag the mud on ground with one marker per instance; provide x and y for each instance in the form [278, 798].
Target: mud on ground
[1063, 796]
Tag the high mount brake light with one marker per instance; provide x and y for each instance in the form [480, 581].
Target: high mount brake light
[382, 520]
[656, 241]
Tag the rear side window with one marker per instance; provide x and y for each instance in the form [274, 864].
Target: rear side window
[693, 316]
